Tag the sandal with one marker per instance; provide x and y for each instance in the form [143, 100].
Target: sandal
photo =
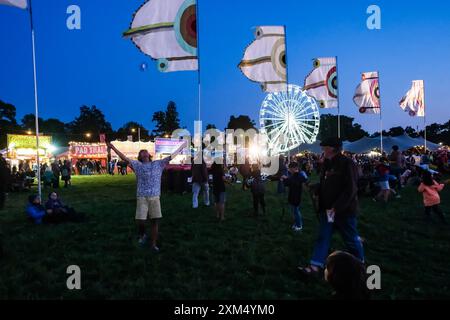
[309, 273]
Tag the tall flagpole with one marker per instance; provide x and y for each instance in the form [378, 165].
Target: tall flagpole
[36, 108]
[198, 62]
[381, 117]
[424, 119]
[287, 84]
[338, 98]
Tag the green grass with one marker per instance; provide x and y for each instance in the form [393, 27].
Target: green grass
[242, 258]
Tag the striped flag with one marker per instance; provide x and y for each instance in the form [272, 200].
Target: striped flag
[264, 59]
[166, 30]
[413, 102]
[322, 82]
[22, 4]
[367, 95]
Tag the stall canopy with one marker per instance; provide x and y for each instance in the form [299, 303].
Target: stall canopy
[404, 142]
[314, 148]
[131, 149]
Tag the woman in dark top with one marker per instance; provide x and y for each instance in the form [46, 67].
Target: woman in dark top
[57, 212]
[219, 190]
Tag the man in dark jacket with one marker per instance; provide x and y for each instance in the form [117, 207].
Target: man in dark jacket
[199, 182]
[338, 206]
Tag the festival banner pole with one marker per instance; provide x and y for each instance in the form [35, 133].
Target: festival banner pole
[338, 98]
[424, 119]
[198, 59]
[381, 116]
[36, 108]
[287, 84]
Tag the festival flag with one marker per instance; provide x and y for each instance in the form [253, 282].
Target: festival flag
[322, 82]
[166, 30]
[367, 95]
[264, 59]
[413, 102]
[22, 4]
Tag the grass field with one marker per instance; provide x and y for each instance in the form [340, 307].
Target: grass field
[242, 258]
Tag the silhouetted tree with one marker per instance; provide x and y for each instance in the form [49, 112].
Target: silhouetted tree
[349, 131]
[91, 120]
[241, 122]
[131, 129]
[8, 123]
[166, 121]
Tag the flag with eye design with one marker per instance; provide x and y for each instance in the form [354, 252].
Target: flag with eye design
[322, 82]
[414, 100]
[166, 30]
[264, 59]
[22, 4]
[367, 95]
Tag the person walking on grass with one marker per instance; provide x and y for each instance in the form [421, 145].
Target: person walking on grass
[148, 178]
[295, 184]
[338, 206]
[219, 190]
[431, 199]
[199, 182]
[258, 190]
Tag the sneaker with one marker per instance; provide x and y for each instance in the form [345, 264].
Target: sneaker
[143, 240]
[398, 196]
[298, 229]
[155, 249]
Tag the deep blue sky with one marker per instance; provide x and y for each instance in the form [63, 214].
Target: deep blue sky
[96, 66]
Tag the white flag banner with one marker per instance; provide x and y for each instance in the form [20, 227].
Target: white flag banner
[413, 102]
[22, 4]
[322, 82]
[264, 59]
[367, 95]
[166, 30]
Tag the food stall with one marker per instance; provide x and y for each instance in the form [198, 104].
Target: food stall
[131, 149]
[22, 149]
[83, 155]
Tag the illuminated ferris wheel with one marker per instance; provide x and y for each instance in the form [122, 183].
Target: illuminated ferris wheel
[288, 119]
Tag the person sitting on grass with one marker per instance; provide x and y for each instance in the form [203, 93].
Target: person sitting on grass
[295, 184]
[346, 274]
[431, 199]
[35, 210]
[54, 211]
[148, 178]
[58, 212]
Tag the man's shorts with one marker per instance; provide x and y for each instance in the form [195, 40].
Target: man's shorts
[220, 198]
[148, 207]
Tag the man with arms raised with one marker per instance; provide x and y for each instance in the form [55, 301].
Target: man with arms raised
[148, 178]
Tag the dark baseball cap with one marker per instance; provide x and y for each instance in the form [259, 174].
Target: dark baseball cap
[331, 142]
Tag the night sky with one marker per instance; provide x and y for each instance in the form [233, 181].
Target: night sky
[96, 66]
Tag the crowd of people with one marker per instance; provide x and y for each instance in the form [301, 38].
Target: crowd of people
[343, 179]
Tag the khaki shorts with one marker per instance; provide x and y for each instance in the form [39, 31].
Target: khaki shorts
[148, 207]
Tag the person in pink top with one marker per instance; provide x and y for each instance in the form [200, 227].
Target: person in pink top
[431, 199]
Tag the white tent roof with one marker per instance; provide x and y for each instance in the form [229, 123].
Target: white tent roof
[404, 142]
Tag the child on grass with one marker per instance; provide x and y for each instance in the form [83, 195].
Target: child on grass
[295, 184]
[431, 199]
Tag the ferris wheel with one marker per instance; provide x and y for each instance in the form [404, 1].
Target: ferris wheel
[288, 119]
